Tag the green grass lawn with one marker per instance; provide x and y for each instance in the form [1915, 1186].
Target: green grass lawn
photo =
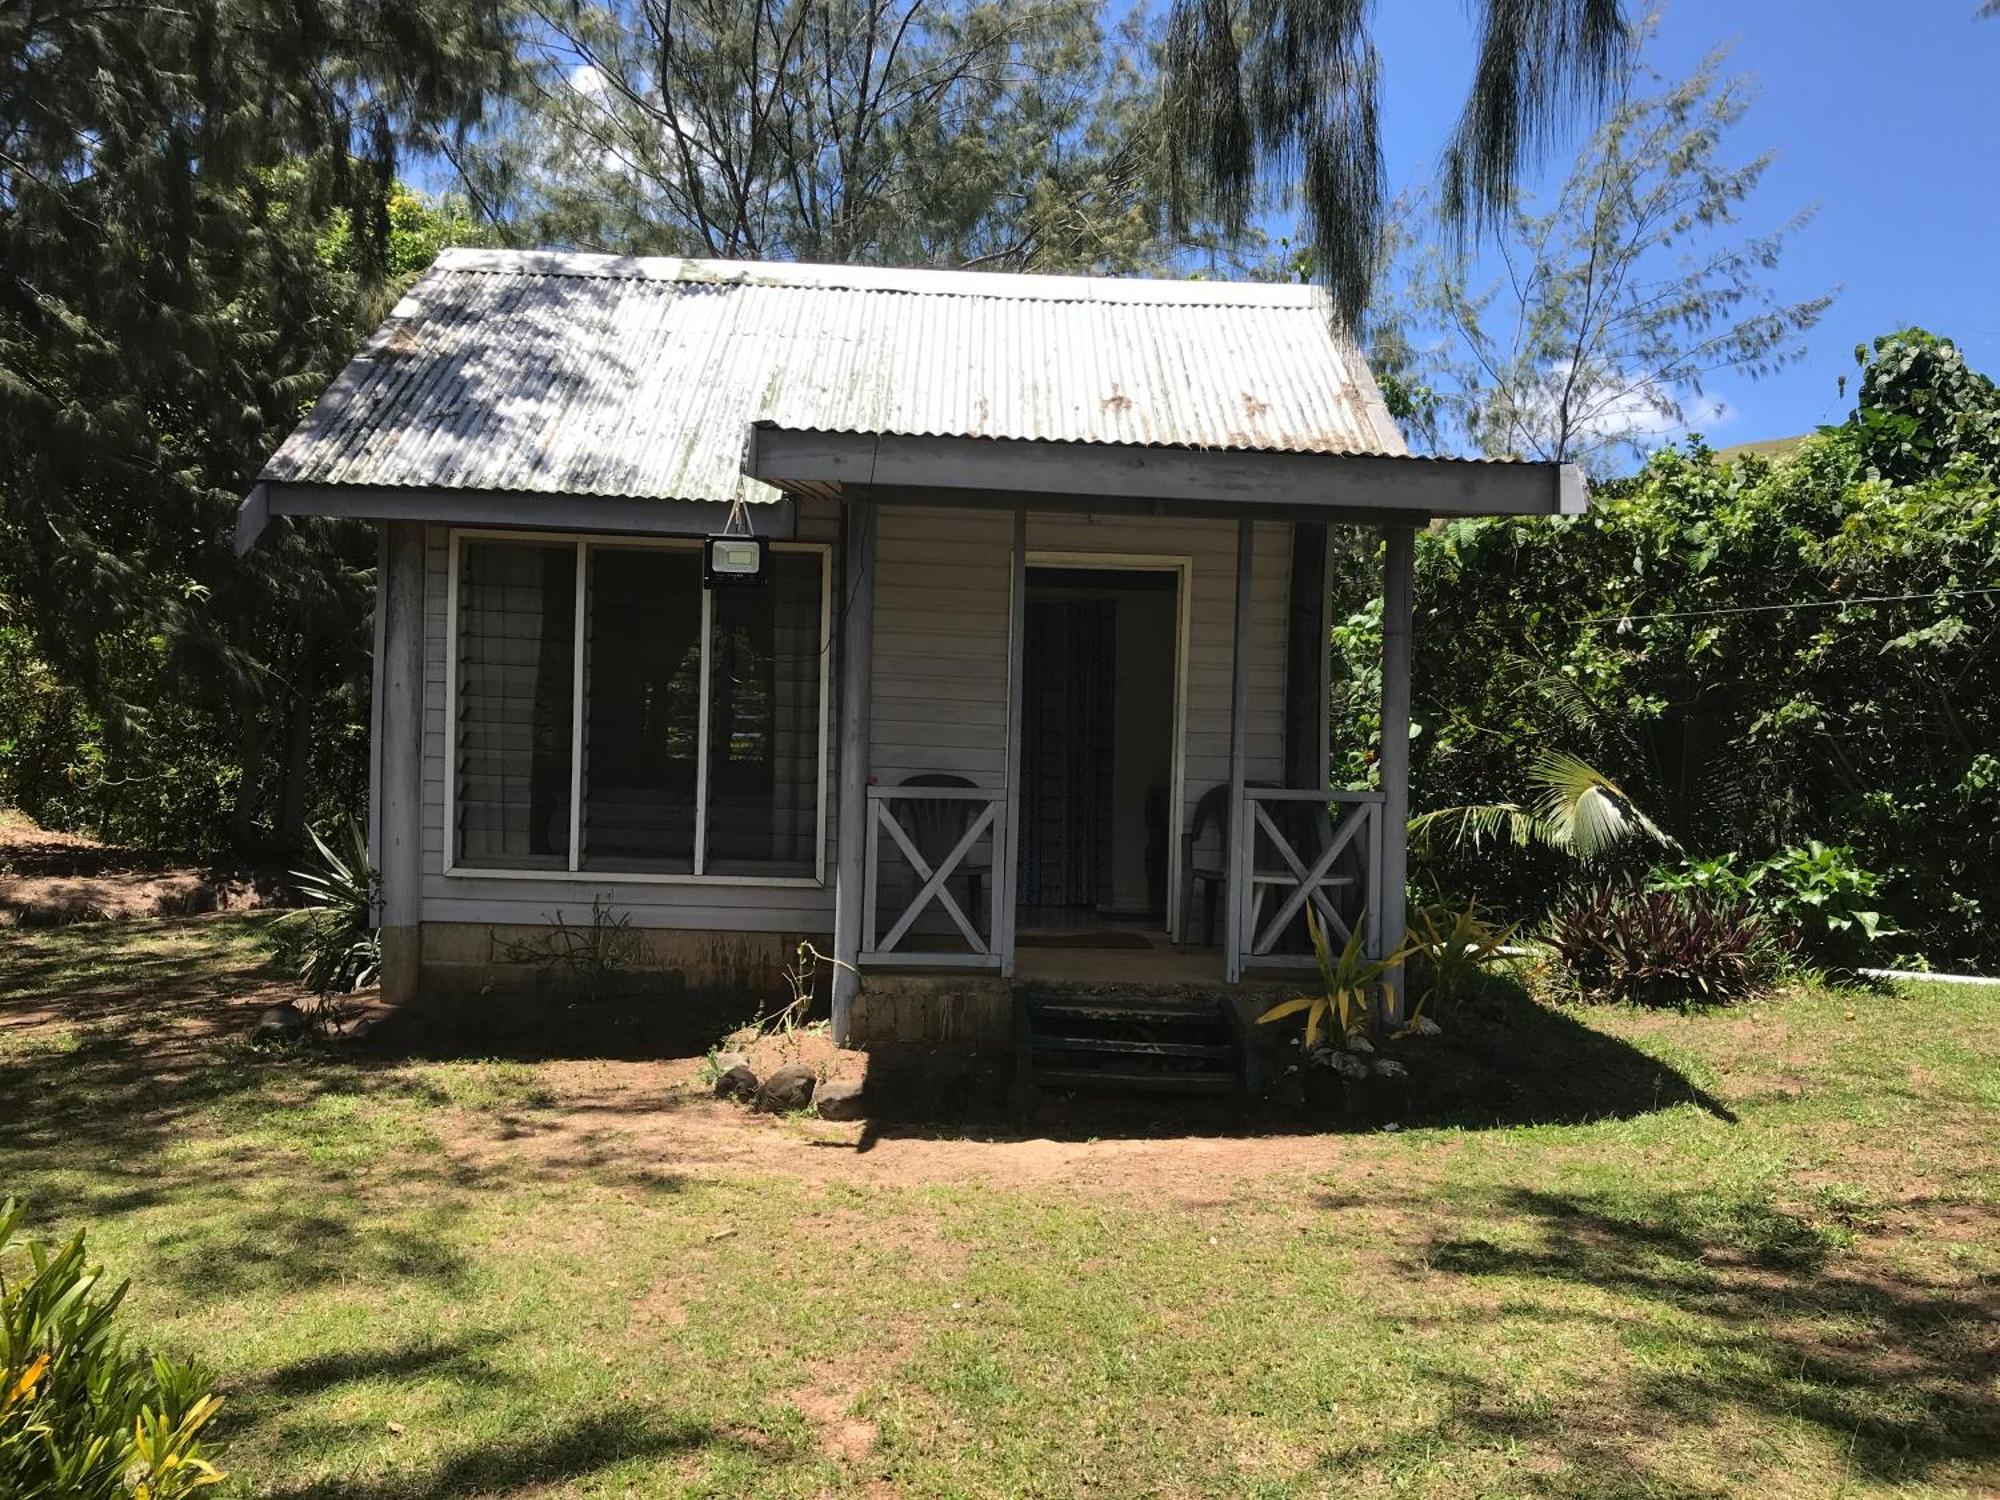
[440, 1278]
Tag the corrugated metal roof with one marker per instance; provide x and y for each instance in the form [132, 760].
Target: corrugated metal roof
[600, 375]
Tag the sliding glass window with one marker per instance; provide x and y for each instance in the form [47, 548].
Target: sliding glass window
[641, 724]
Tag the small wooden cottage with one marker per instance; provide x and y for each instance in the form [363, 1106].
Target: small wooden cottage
[1011, 659]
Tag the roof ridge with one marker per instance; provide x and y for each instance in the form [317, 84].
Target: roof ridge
[1024, 286]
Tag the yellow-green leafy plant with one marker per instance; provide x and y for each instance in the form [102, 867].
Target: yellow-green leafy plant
[1350, 988]
[1451, 947]
[82, 1416]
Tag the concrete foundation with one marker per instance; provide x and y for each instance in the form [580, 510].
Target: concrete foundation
[471, 974]
[464, 958]
[946, 1010]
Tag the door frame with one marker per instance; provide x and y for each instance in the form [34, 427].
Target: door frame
[1182, 567]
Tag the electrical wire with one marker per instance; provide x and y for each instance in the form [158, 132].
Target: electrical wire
[1758, 609]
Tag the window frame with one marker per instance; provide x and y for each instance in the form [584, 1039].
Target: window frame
[581, 542]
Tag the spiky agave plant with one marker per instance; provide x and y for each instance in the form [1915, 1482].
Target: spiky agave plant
[1350, 986]
[332, 938]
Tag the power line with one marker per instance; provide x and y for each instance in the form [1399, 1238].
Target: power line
[1758, 609]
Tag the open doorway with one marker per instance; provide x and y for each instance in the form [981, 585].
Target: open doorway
[1099, 763]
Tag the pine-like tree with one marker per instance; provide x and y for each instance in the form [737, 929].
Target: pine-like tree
[195, 224]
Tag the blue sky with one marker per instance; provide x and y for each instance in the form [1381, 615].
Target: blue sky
[1885, 113]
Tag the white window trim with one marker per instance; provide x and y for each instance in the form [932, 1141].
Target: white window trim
[582, 541]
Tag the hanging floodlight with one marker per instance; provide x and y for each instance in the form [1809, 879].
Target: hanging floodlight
[734, 557]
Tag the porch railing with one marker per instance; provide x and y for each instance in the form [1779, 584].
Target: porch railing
[932, 874]
[1328, 853]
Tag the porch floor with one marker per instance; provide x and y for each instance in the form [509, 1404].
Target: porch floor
[1158, 962]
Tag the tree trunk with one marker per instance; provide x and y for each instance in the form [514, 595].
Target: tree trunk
[297, 780]
[250, 769]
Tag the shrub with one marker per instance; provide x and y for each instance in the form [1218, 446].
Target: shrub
[82, 1417]
[1653, 947]
[1759, 652]
[584, 963]
[331, 941]
[1451, 947]
[1819, 901]
[1826, 900]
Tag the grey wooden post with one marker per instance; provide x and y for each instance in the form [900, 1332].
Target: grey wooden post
[400, 818]
[1007, 871]
[857, 655]
[1242, 838]
[1399, 558]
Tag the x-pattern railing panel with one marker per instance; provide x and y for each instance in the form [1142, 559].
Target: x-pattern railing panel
[1353, 815]
[933, 887]
[1311, 884]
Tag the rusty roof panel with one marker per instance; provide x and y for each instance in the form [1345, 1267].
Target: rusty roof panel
[586, 374]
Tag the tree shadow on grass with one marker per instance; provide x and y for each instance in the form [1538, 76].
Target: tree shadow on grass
[1767, 1318]
[571, 1451]
[403, 1361]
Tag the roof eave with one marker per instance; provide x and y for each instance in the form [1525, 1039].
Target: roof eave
[526, 510]
[1284, 485]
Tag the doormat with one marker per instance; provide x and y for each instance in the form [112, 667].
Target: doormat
[1085, 939]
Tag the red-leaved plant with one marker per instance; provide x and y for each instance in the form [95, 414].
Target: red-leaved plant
[1624, 943]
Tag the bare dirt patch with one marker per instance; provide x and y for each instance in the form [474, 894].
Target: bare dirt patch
[53, 879]
[839, 1432]
[656, 1118]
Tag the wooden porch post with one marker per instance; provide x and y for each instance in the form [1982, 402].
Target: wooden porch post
[857, 655]
[1006, 878]
[1236, 861]
[399, 820]
[1397, 610]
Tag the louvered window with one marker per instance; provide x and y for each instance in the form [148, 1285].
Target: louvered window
[692, 741]
[516, 692]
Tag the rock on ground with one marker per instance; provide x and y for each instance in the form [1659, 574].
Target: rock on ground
[840, 1099]
[281, 1023]
[789, 1088]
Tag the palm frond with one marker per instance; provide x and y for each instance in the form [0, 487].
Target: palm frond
[1476, 825]
[1582, 811]
[1567, 697]
[1537, 61]
[1292, 87]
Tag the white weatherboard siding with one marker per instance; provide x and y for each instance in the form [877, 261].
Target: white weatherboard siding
[941, 642]
[941, 637]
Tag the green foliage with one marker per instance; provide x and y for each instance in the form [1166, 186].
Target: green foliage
[1350, 988]
[585, 963]
[1619, 941]
[1016, 137]
[1821, 903]
[82, 1417]
[159, 739]
[1451, 945]
[1762, 654]
[196, 225]
[1596, 318]
[331, 941]
[1924, 411]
